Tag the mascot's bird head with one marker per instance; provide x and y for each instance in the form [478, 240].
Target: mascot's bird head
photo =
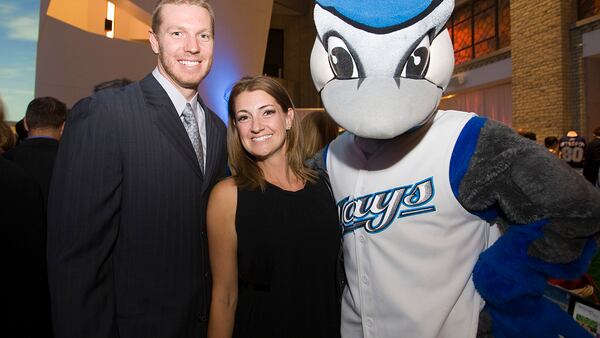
[381, 65]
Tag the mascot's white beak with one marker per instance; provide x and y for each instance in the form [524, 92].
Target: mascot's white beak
[381, 85]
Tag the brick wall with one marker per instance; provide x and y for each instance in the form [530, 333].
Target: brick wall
[577, 81]
[540, 50]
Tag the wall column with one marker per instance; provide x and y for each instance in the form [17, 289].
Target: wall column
[541, 66]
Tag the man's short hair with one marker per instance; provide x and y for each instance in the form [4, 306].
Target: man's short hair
[45, 112]
[551, 141]
[527, 134]
[157, 20]
[116, 83]
[20, 129]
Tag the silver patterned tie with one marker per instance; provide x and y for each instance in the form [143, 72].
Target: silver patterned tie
[191, 127]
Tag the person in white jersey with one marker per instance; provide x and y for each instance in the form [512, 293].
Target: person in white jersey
[419, 189]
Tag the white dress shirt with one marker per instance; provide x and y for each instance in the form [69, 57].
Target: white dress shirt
[180, 102]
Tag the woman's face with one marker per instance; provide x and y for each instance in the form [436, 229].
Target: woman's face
[262, 124]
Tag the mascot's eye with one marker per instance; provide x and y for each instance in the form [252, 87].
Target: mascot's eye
[341, 59]
[418, 62]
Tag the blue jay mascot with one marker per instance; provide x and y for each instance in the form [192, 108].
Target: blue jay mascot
[452, 222]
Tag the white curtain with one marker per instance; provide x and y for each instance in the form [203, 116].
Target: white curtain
[493, 102]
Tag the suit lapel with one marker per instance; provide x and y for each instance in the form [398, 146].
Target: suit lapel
[166, 118]
[213, 141]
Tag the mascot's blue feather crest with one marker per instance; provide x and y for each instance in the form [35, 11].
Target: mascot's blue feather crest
[380, 13]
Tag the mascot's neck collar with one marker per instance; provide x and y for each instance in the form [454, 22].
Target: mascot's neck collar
[370, 146]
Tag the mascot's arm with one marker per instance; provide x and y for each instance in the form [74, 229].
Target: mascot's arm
[318, 163]
[551, 217]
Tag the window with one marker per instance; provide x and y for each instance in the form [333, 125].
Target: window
[587, 8]
[479, 28]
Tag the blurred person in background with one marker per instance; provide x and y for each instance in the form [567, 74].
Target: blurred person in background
[551, 143]
[592, 158]
[572, 150]
[20, 130]
[116, 83]
[318, 129]
[527, 134]
[24, 278]
[44, 121]
[7, 137]
[23, 236]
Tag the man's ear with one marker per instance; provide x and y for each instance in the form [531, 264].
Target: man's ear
[61, 129]
[25, 124]
[153, 41]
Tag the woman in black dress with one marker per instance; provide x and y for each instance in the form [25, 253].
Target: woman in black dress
[273, 231]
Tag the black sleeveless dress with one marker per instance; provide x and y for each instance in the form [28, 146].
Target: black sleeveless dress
[288, 244]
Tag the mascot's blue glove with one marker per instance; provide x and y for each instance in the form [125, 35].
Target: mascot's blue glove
[512, 284]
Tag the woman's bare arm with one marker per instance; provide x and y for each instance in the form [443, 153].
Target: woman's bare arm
[222, 245]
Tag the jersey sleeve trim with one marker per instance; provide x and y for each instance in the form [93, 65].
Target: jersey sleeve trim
[464, 149]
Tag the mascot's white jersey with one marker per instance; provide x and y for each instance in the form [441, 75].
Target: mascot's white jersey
[410, 247]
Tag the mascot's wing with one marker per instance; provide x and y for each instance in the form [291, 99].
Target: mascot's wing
[551, 217]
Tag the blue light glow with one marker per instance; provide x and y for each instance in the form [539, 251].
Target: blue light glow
[215, 87]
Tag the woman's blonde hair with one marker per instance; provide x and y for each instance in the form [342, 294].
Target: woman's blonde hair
[246, 171]
[7, 137]
[318, 129]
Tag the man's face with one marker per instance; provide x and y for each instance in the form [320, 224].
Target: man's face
[184, 44]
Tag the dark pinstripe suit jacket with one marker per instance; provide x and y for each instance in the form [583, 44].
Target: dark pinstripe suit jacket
[127, 251]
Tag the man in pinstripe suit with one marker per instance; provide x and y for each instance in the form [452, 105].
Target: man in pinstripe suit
[127, 251]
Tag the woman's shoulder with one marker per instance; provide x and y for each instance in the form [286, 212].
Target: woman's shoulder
[222, 204]
[226, 183]
[224, 189]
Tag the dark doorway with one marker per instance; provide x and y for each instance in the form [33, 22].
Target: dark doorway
[274, 55]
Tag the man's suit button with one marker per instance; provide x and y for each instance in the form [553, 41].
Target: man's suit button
[202, 318]
[206, 274]
[202, 234]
